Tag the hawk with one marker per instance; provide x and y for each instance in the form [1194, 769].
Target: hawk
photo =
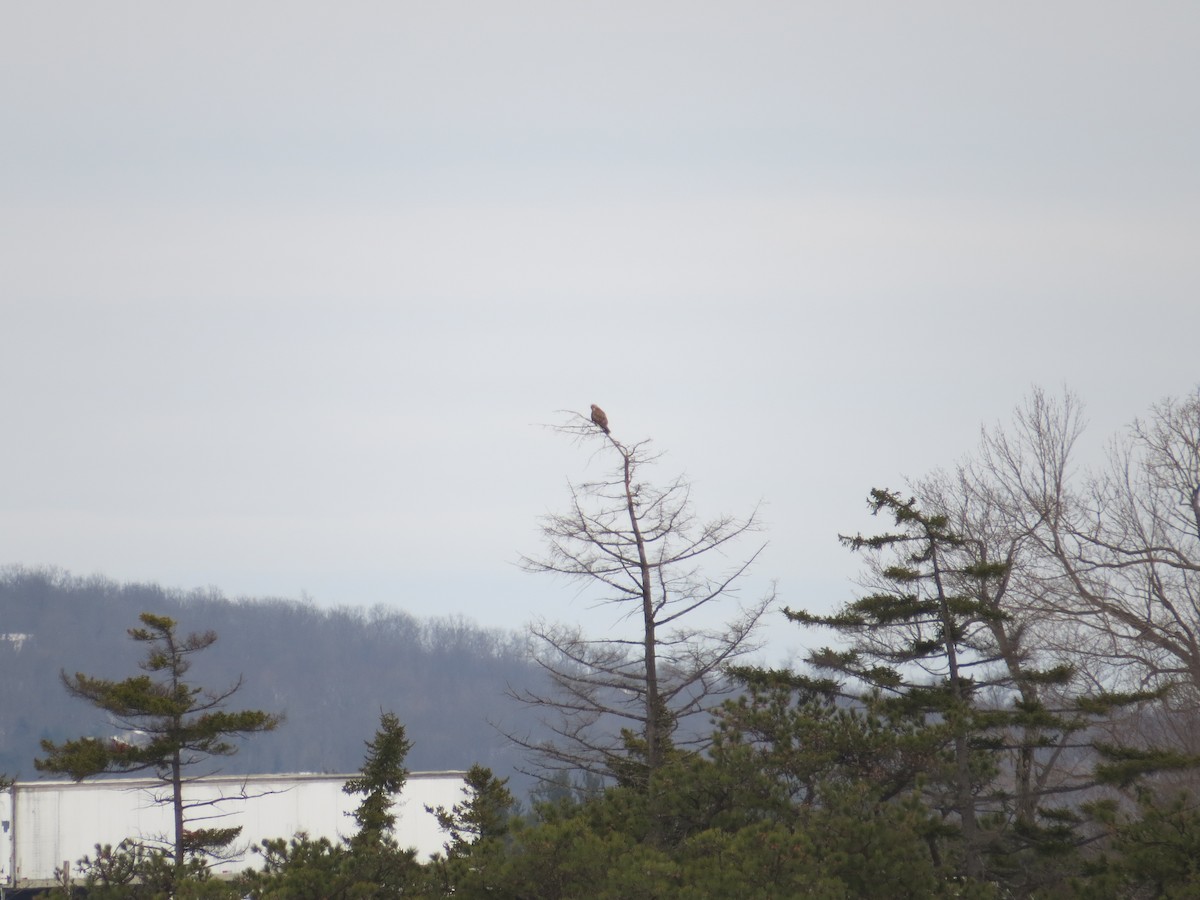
[1195, 493]
[600, 418]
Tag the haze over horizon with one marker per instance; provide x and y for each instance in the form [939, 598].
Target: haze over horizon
[287, 299]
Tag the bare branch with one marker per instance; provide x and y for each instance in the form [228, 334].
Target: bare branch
[639, 546]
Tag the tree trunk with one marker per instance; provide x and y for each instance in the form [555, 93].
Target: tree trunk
[650, 643]
[177, 807]
[965, 800]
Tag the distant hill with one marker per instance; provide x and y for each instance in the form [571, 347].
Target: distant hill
[331, 671]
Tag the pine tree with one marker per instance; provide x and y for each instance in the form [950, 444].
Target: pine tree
[178, 726]
[367, 864]
[932, 643]
[480, 842]
[917, 643]
[383, 775]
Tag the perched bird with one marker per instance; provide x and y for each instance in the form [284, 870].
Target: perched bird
[600, 418]
[1195, 496]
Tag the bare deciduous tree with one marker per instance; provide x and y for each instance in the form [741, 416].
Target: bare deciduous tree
[616, 702]
[1062, 639]
[1104, 582]
[1121, 552]
[1046, 705]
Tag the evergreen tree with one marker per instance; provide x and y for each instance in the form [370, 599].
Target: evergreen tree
[176, 726]
[918, 646]
[1153, 851]
[480, 836]
[382, 777]
[483, 816]
[367, 865]
[930, 644]
[720, 836]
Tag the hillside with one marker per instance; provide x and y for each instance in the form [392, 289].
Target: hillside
[330, 672]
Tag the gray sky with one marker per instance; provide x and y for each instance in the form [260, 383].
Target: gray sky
[287, 290]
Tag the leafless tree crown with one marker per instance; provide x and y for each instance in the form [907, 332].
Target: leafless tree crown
[637, 546]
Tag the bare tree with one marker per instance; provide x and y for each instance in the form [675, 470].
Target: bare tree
[1054, 642]
[1121, 549]
[1004, 638]
[616, 703]
[1104, 584]
[1044, 704]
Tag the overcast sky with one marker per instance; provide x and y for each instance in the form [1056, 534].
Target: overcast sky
[288, 290]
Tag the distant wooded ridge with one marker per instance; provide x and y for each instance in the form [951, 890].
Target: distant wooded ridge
[330, 671]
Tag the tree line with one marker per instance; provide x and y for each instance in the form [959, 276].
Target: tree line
[329, 671]
[1008, 708]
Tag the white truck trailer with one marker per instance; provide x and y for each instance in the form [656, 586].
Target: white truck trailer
[45, 825]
